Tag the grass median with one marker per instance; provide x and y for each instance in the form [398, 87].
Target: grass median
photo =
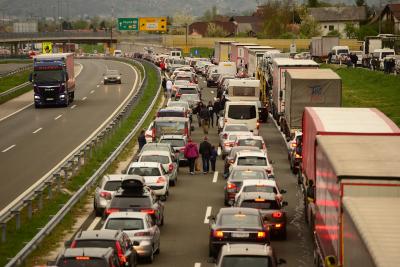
[8, 82]
[16, 239]
[366, 88]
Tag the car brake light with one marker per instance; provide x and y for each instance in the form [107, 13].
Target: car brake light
[109, 211]
[264, 147]
[218, 234]
[148, 211]
[186, 131]
[225, 120]
[258, 125]
[160, 180]
[171, 167]
[158, 114]
[153, 132]
[73, 244]
[261, 235]
[278, 225]
[277, 214]
[225, 136]
[294, 144]
[106, 195]
[298, 156]
[120, 252]
[143, 234]
[231, 186]
[80, 258]
[268, 170]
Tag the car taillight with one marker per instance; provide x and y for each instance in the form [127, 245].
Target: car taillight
[120, 252]
[153, 132]
[298, 156]
[278, 225]
[277, 214]
[148, 211]
[160, 180]
[109, 211]
[225, 136]
[218, 234]
[231, 186]
[73, 244]
[258, 125]
[268, 170]
[171, 167]
[186, 131]
[261, 235]
[264, 147]
[143, 234]
[225, 120]
[105, 195]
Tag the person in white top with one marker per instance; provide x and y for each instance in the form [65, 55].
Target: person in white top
[169, 88]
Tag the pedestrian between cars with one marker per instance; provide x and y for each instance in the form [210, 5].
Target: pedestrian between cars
[169, 88]
[164, 86]
[213, 157]
[142, 139]
[210, 108]
[205, 151]
[216, 109]
[191, 153]
[204, 115]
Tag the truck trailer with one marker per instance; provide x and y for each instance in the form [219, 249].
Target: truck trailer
[356, 167]
[321, 46]
[53, 79]
[222, 51]
[308, 88]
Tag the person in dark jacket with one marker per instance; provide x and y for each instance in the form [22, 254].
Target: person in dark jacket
[216, 109]
[164, 85]
[213, 157]
[204, 116]
[142, 140]
[210, 108]
[205, 152]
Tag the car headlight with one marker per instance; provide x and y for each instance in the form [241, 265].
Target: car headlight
[105, 78]
[37, 97]
[118, 77]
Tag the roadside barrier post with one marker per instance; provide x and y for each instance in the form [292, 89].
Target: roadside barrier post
[3, 232]
[40, 199]
[17, 216]
[28, 202]
[57, 177]
[50, 192]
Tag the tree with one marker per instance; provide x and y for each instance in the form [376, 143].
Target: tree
[102, 25]
[80, 25]
[213, 30]
[360, 2]
[334, 33]
[367, 30]
[350, 30]
[210, 14]
[309, 27]
[278, 17]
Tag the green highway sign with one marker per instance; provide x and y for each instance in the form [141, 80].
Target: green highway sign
[128, 24]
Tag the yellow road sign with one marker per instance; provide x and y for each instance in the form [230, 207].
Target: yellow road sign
[47, 47]
[153, 24]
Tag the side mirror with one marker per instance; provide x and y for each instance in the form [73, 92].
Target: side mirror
[281, 261]
[124, 171]
[284, 203]
[67, 244]
[136, 243]
[31, 77]
[283, 191]
[272, 162]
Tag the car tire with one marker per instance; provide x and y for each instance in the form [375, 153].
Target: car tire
[97, 211]
[158, 249]
[37, 105]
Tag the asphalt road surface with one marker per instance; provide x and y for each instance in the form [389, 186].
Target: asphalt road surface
[11, 66]
[33, 141]
[184, 236]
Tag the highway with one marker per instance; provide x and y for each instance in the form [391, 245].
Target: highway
[33, 141]
[184, 236]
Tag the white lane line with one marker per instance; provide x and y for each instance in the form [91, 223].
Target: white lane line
[208, 213]
[215, 178]
[59, 116]
[83, 99]
[94, 223]
[74, 106]
[219, 151]
[92, 91]
[197, 264]
[37, 130]
[8, 148]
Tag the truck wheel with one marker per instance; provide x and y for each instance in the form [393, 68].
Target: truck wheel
[37, 105]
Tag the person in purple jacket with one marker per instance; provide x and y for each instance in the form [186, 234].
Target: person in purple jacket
[191, 152]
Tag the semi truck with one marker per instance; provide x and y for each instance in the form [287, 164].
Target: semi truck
[53, 79]
[325, 121]
[279, 67]
[310, 88]
[222, 51]
[237, 53]
[356, 167]
[253, 57]
[370, 235]
[321, 46]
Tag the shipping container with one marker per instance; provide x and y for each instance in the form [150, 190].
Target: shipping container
[321, 46]
[222, 50]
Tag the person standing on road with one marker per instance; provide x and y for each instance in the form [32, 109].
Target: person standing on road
[210, 108]
[169, 88]
[191, 153]
[213, 157]
[205, 151]
[141, 139]
[216, 109]
[164, 85]
[196, 111]
[205, 118]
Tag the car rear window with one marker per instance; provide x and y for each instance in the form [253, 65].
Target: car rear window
[174, 142]
[236, 128]
[154, 158]
[243, 91]
[234, 136]
[250, 142]
[145, 171]
[245, 261]
[171, 113]
[260, 188]
[126, 202]
[94, 243]
[185, 78]
[187, 91]
[154, 147]
[239, 220]
[126, 224]
[245, 175]
[252, 161]
[259, 204]
[82, 262]
[169, 127]
[112, 185]
[242, 112]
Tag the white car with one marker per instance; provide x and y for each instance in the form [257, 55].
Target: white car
[260, 185]
[140, 227]
[256, 141]
[104, 192]
[229, 142]
[230, 127]
[252, 158]
[154, 176]
[165, 158]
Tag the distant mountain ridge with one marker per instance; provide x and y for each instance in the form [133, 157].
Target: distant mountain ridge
[127, 8]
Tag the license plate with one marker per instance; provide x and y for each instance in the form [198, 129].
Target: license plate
[240, 235]
[49, 99]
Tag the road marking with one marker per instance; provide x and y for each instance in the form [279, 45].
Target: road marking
[197, 264]
[208, 213]
[219, 151]
[92, 91]
[215, 178]
[83, 99]
[59, 116]
[74, 106]
[94, 223]
[37, 130]
[8, 148]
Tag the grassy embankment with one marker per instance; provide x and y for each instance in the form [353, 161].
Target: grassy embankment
[16, 239]
[90, 48]
[11, 81]
[366, 88]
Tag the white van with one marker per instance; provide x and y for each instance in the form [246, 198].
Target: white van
[242, 112]
[243, 90]
[117, 53]
[175, 54]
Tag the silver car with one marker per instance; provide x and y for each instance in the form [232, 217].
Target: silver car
[178, 143]
[105, 191]
[139, 227]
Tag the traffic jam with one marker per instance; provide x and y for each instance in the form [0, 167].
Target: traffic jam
[343, 162]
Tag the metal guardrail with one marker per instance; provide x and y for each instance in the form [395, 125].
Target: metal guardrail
[66, 169]
[14, 89]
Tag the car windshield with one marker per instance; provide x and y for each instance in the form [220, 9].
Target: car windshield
[82, 262]
[112, 72]
[174, 142]
[127, 224]
[154, 158]
[181, 82]
[94, 243]
[184, 78]
[234, 136]
[178, 104]
[250, 142]
[169, 127]
[252, 161]
[41, 76]
[342, 51]
[245, 261]
[145, 171]
[190, 97]
[130, 202]
[260, 188]
[239, 220]
[242, 112]
[385, 54]
[236, 128]
[245, 175]
[171, 113]
[112, 185]
[187, 90]
[263, 204]
[243, 91]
